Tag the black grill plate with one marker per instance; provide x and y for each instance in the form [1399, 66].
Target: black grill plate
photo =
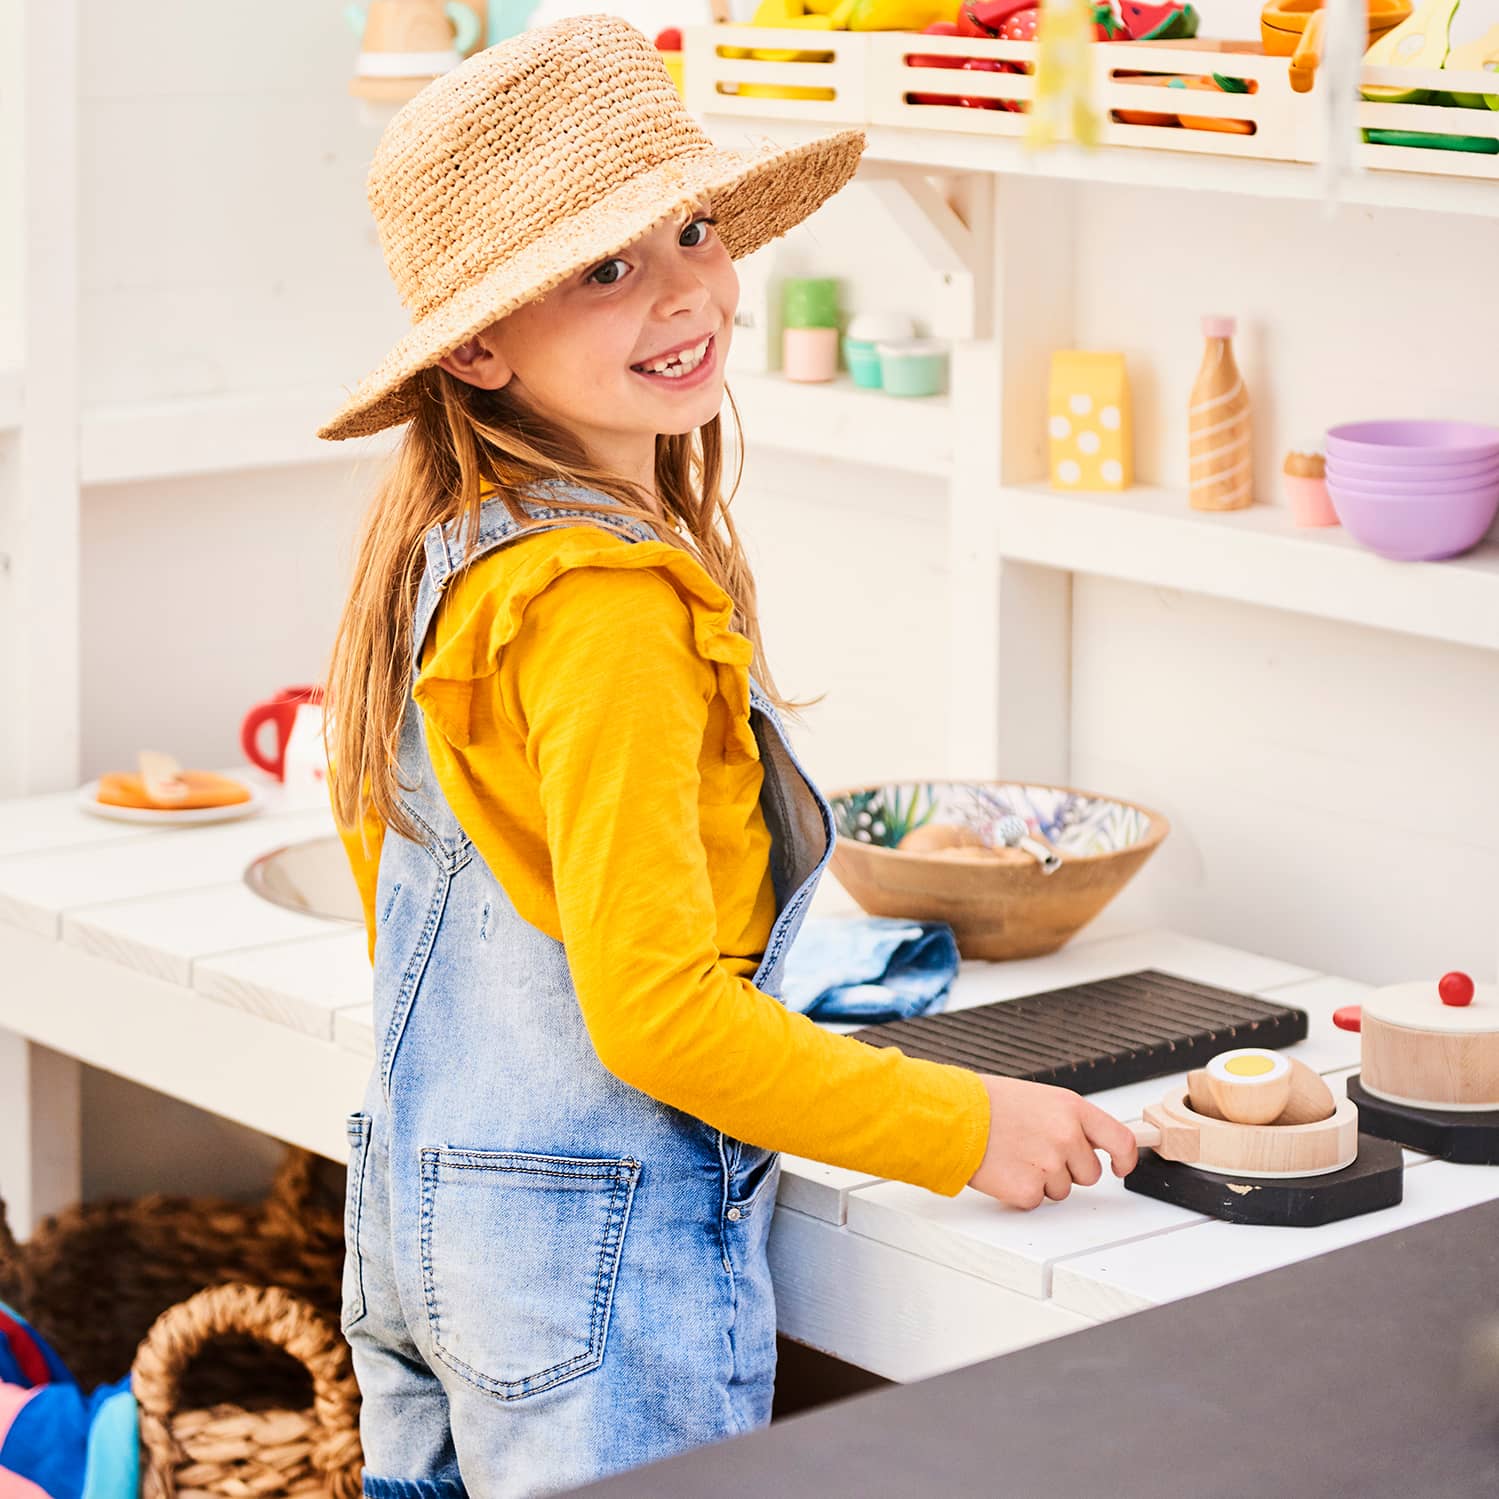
[1100, 1035]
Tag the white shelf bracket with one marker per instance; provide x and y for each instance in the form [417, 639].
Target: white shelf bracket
[921, 212]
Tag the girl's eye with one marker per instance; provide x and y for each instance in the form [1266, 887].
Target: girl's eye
[605, 274]
[701, 226]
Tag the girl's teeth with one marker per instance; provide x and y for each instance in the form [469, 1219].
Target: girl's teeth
[681, 364]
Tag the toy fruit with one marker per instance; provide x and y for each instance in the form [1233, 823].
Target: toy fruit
[1421, 41]
[1157, 23]
[1021, 26]
[897, 15]
[1481, 56]
[986, 17]
[936, 60]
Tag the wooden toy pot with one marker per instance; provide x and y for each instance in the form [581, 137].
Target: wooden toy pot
[1176, 1132]
[1432, 1046]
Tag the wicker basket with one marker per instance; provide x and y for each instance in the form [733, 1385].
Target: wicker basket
[234, 1450]
[92, 1279]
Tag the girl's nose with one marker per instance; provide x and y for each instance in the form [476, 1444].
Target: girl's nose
[682, 290]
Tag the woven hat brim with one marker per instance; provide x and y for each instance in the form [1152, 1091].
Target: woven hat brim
[755, 199]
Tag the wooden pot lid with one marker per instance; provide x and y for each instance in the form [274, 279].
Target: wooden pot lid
[1420, 1007]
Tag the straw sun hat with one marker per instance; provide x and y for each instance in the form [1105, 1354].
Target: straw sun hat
[538, 158]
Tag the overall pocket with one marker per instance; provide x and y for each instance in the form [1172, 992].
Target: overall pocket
[519, 1258]
[358, 1127]
[756, 1170]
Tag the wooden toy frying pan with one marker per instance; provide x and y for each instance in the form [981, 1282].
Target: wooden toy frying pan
[1177, 1132]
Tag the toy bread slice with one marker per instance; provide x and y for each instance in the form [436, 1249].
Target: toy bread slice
[204, 789]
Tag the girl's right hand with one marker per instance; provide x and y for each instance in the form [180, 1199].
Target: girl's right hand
[1042, 1139]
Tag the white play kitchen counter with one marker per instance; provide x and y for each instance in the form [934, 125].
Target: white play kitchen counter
[144, 953]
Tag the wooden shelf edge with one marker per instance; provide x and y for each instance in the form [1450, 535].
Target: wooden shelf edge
[1134, 166]
[1254, 556]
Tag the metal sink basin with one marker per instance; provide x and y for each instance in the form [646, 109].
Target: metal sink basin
[312, 877]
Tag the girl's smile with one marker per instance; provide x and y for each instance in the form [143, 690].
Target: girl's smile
[685, 367]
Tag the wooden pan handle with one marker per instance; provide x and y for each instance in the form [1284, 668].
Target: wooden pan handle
[1146, 1135]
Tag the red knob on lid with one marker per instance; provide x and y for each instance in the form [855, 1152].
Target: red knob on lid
[1455, 989]
[1349, 1018]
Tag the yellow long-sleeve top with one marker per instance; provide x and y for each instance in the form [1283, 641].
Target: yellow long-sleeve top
[586, 710]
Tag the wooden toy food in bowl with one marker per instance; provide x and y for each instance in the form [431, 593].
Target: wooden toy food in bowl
[1015, 870]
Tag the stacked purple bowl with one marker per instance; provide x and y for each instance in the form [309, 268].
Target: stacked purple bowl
[1414, 491]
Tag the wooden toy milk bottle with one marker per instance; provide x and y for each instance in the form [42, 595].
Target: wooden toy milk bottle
[1220, 475]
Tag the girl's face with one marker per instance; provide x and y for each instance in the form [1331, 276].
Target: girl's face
[623, 350]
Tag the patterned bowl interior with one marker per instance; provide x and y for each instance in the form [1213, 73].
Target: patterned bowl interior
[1071, 823]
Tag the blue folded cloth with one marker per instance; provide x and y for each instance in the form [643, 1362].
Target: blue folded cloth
[869, 968]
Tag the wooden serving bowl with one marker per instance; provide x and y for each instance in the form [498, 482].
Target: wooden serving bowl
[1176, 1132]
[1000, 904]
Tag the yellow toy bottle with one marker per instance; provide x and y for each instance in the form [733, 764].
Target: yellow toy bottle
[1220, 472]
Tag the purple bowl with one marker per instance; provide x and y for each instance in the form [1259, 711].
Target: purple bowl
[1412, 529]
[1415, 484]
[1413, 442]
[1475, 470]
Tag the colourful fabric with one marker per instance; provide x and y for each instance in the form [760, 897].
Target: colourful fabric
[55, 1442]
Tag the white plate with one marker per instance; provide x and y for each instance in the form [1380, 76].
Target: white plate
[88, 799]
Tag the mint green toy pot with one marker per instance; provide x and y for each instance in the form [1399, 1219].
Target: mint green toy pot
[913, 367]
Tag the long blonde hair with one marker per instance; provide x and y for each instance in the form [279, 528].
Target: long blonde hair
[460, 436]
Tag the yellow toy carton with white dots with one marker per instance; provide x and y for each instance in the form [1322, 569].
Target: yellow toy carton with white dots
[1089, 422]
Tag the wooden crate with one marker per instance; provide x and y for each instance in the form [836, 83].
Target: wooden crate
[1435, 118]
[903, 94]
[1266, 109]
[773, 73]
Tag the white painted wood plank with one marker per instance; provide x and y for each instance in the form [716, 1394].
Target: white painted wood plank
[284, 1083]
[891, 1313]
[297, 984]
[1256, 556]
[1131, 1277]
[35, 889]
[33, 824]
[840, 420]
[354, 1029]
[819, 1190]
[167, 935]
[1004, 1246]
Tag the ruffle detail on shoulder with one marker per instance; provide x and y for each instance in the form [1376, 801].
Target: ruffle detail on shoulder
[471, 648]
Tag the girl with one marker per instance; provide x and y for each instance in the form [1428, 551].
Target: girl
[583, 839]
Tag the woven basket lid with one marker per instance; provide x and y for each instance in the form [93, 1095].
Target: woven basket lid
[537, 158]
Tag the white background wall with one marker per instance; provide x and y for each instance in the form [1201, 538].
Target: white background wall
[1332, 789]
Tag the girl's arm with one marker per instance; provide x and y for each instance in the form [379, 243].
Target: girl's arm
[613, 696]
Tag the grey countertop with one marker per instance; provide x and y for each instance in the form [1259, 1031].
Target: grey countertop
[1346, 1375]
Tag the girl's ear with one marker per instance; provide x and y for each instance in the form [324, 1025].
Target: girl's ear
[478, 363]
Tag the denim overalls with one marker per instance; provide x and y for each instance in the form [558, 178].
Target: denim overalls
[550, 1276]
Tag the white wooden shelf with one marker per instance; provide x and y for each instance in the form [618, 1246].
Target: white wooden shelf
[1256, 556]
[157, 440]
[842, 420]
[123, 443]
